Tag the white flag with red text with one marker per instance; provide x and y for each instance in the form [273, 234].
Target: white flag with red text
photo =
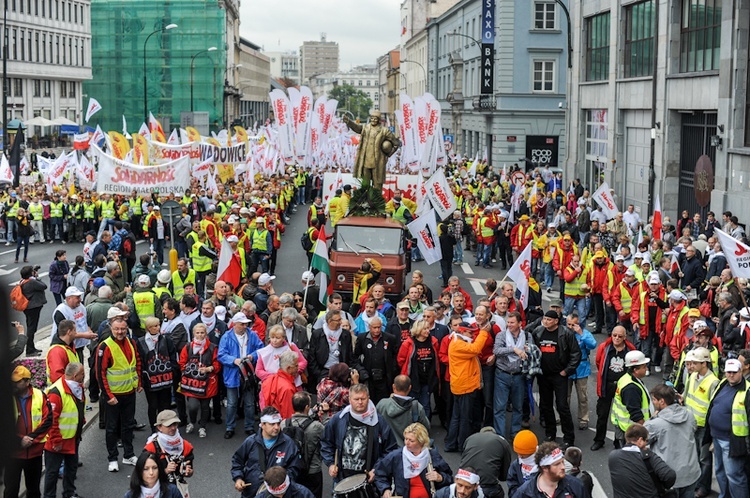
[424, 229]
[606, 200]
[92, 109]
[737, 254]
[519, 273]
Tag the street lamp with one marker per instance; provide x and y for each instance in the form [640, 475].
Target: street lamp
[226, 85]
[420, 65]
[192, 69]
[145, 83]
[456, 33]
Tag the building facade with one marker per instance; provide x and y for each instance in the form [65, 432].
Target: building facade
[119, 34]
[231, 104]
[522, 118]
[364, 78]
[318, 57]
[284, 65]
[659, 106]
[389, 83]
[49, 58]
[254, 84]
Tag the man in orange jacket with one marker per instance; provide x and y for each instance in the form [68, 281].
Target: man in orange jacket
[622, 298]
[521, 234]
[614, 277]
[675, 329]
[564, 252]
[647, 314]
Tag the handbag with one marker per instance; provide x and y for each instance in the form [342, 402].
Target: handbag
[705, 306]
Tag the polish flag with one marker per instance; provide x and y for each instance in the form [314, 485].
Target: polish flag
[230, 269]
[675, 264]
[656, 225]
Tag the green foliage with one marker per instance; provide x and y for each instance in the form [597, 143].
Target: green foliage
[350, 99]
[367, 201]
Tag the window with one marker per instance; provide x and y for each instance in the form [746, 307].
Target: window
[15, 44]
[72, 89]
[18, 87]
[63, 89]
[700, 35]
[47, 88]
[37, 88]
[596, 145]
[544, 15]
[544, 76]
[597, 47]
[23, 45]
[639, 39]
[44, 47]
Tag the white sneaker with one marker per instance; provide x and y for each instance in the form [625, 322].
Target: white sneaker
[657, 369]
[189, 428]
[201, 432]
[113, 467]
[130, 461]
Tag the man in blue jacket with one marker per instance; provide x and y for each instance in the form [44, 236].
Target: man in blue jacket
[259, 452]
[587, 343]
[235, 349]
[357, 438]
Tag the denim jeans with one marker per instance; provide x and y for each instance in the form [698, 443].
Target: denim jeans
[11, 230]
[730, 472]
[535, 264]
[248, 401]
[423, 396]
[578, 303]
[705, 458]
[458, 253]
[511, 388]
[549, 274]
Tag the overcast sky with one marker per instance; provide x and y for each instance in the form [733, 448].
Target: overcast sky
[364, 29]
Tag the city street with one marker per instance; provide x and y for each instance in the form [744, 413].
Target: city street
[213, 454]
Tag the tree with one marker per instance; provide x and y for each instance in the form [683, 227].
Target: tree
[350, 99]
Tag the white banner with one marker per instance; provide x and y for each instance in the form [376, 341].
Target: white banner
[160, 153]
[284, 123]
[120, 177]
[440, 195]
[737, 254]
[424, 229]
[519, 273]
[407, 184]
[223, 155]
[605, 199]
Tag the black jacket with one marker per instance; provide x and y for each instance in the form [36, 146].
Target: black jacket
[693, 273]
[629, 472]
[568, 349]
[363, 357]
[725, 326]
[34, 289]
[319, 353]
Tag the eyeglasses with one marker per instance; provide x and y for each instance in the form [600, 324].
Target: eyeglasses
[298, 300]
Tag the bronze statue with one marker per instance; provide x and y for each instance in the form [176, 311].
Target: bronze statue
[375, 147]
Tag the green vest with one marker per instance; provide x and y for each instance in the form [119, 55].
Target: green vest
[122, 375]
[259, 242]
[37, 408]
[144, 305]
[398, 214]
[620, 415]
[200, 263]
[161, 290]
[309, 235]
[13, 211]
[108, 209]
[56, 209]
[178, 284]
[68, 419]
[89, 211]
[36, 210]
[485, 231]
[137, 206]
[698, 395]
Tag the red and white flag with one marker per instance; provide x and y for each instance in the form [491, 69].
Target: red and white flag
[154, 124]
[81, 141]
[737, 254]
[674, 266]
[656, 225]
[230, 269]
[6, 174]
[520, 272]
[174, 138]
[92, 109]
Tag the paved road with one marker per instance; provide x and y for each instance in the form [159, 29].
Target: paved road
[213, 453]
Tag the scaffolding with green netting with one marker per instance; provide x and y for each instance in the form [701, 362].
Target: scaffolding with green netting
[119, 30]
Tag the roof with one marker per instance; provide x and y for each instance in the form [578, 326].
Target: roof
[369, 221]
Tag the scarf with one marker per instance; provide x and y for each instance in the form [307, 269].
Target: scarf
[465, 338]
[332, 335]
[414, 464]
[76, 388]
[168, 325]
[151, 492]
[369, 417]
[209, 322]
[172, 445]
[528, 467]
[518, 343]
[151, 341]
[198, 345]
[270, 356]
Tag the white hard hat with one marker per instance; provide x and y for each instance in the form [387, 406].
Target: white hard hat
[164, 276]
[635, 358]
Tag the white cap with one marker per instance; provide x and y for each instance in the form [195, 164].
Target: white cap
[143, 280]
[244, 210]
[619, 257]
[638, 255]
[635, 358]
[240, 318]
[164, 276]
[114, 312]
[654, 279]
[157, 208]
[308, 276]
[232, 238]
[745, 312]
[677, 295]
[73, 291]
[700, 324]
[260, 219]
[221, 312]
[231, 219]
[272, 206]
[265, 279]
[733, 366]
[630, 272]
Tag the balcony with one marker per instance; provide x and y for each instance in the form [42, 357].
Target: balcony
[484, 103]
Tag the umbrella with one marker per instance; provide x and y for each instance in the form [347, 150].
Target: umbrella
[14, 124]
[63, 121]
[37, 121]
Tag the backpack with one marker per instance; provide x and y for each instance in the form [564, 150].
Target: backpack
[128, 247]
[297, 434]
[307, 244]
[18, 301]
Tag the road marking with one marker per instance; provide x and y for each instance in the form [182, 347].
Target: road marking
[7, 252]
[478, 290]
[610, 434]
[43, 274]
[466, 267]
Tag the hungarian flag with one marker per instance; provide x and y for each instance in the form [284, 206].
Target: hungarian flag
[230, 269]
[320, 263]
[656, 225]
[520, 273]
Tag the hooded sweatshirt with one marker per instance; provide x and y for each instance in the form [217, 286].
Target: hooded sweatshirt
[400, 412]
[672, 437]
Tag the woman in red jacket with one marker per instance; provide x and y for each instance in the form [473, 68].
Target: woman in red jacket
[418, 358]
[200, 367]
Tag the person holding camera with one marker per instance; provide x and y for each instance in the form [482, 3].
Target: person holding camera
[34, 290]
